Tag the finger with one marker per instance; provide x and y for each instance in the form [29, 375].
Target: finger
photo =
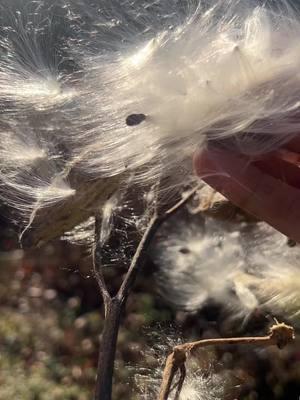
[293, 145]
[257, 192]
[280, 169]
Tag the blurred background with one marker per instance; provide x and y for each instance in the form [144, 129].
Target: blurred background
[50, 326]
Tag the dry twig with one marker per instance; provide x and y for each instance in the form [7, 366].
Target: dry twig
[280, 335]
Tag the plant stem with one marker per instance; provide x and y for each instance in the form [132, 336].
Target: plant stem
[114, 305]
[280, 335]
[108, 350]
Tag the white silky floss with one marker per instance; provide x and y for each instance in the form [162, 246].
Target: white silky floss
[72, 73]
[245, 267]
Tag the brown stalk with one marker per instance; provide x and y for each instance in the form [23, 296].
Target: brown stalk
[113, 305]
[280, 335]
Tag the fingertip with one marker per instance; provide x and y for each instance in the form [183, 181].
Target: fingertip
[205, 163]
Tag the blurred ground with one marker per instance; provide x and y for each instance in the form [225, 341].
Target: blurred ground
[51, 318]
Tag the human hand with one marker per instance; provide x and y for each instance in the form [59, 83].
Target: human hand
[268, 188]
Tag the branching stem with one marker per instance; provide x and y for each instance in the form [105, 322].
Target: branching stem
[280, 335]
[114, 305]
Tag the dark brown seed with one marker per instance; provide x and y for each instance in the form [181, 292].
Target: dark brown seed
[135, 119]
